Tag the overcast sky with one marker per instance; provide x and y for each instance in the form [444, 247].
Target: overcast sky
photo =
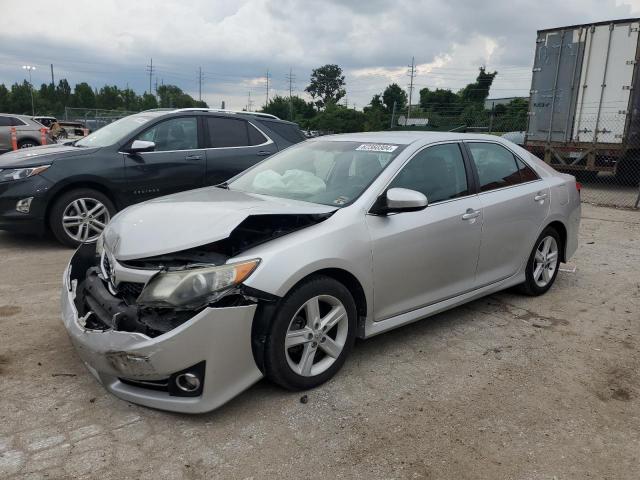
[235, 42]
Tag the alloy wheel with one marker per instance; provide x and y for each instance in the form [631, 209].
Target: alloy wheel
[545, 261]
[84, 219]
[316, 335]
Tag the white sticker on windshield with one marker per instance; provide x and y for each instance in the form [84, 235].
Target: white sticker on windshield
[376, 147]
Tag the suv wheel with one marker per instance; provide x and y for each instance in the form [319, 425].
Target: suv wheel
[311, 335]
[27, 143]
[79, 216]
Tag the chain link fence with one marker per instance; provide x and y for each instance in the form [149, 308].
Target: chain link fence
[92, 118]
[605, 158]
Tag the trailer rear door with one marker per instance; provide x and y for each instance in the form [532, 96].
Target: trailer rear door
[554, 84]
[606, 80]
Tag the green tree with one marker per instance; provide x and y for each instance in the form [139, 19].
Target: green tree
[393, 93]
[83, 96]
[295, 110]
[4, 99]
[441, 101]
[108, 98]
[375, 115]
[326, 85]
[148, 101]
[478, 91]
[129, 100]
[172, 96]
[338, 119]
[20, 98]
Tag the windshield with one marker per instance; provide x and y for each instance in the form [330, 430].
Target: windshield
[114, 132]
[326, 172]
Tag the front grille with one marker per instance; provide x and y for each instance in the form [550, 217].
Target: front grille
[106, 267]
[130, 289]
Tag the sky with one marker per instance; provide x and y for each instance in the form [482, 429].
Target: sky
[237, 42]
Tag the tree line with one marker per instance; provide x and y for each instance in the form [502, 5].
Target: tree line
[444, 108]
[52, 100]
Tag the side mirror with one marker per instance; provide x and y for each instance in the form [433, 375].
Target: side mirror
[140, 146]
[397, 200]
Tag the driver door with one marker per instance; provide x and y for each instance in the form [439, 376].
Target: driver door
[176, 164]
[424, 257]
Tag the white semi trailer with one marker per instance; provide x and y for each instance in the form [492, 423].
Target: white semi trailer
[584, 114]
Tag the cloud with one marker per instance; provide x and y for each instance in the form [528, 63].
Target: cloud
[236, 42]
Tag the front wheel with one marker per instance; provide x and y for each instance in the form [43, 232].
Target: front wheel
[543, 263]
[311, 335]
[79, 216]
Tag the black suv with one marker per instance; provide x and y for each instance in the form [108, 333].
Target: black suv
[74, 189]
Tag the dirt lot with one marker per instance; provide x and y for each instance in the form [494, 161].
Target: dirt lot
[505, 387]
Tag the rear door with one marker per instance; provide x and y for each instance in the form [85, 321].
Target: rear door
[176, 164]
[233, 145]
[423, 257]
[515, 203]
[5, 132]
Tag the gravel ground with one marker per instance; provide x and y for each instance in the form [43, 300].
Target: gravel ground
[505, 387]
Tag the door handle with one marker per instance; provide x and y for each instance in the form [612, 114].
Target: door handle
[540, 196]
[471, 214]
[194, 157]
[264, 153]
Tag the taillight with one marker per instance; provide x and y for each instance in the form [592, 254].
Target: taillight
[578, 186]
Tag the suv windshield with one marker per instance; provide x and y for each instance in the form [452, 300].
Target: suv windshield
[114, 132]
[326, 172]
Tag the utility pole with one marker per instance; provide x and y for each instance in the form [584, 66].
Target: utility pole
[267, 78]
[249, 103]
[150, 70]
[53, 82]
[412, 74]
[291, 78]
[200, 84]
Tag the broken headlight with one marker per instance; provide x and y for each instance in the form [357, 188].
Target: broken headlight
[196, 286]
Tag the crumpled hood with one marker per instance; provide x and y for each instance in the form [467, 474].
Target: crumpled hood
[190, 219]
[29, 157]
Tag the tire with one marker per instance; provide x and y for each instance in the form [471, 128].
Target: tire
[537, 283]
[27, 143]
[286, 367]
[71, 204]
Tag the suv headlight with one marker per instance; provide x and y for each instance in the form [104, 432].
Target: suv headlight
[10, 174]
[194, 287]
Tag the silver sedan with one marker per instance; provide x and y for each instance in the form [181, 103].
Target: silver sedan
[187, 300]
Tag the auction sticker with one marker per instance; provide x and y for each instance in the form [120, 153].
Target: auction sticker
[376, 147]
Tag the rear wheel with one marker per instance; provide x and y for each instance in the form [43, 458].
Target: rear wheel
[311, 335]
[543, 263]
[28, 143]
[79, 216]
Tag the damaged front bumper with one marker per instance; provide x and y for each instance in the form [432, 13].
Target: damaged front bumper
[215, 343]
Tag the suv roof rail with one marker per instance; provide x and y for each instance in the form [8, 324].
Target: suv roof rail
[222, 110]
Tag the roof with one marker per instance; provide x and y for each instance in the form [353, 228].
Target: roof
[404, 137]
[604, 22]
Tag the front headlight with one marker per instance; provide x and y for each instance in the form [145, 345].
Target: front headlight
[194, 287]
[10, 174]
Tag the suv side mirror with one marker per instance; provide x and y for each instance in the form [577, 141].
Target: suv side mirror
[396, 200]
[140, 146]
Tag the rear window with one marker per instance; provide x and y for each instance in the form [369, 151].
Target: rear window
[291, 133]
[227, 132]
[11, 122]
[5, 122]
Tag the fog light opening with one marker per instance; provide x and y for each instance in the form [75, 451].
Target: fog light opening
[188, 382]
